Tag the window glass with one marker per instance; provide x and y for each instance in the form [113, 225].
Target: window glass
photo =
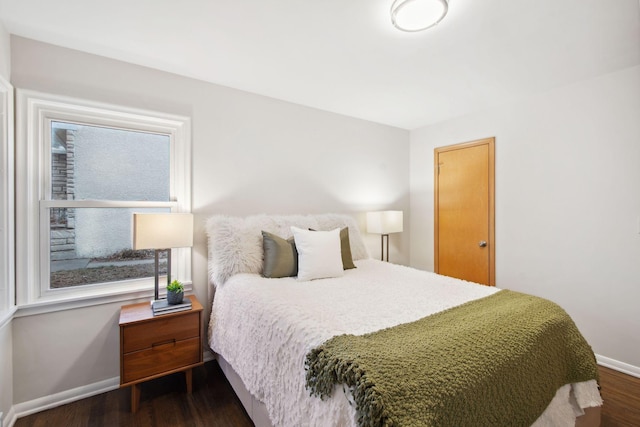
[93, 245]
[100, 163]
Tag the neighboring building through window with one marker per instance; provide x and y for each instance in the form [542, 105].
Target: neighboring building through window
[90, 170]
[93, 245]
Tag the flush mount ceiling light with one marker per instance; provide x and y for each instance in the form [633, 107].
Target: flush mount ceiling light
[417, 15]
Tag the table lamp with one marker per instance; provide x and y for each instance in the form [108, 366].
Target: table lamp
[162, 232]
[384, 223]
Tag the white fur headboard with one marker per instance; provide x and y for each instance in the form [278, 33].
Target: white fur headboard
[235, 243]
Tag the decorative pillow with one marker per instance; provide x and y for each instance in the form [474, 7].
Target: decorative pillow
[280, 256]
[345, 249]
[234, 244]
[331, 221]
[319, 254]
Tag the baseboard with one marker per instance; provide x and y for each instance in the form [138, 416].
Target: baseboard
[51, 401]
[9, 418]
[616, 365]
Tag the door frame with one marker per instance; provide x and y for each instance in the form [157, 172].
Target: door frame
[490, 142]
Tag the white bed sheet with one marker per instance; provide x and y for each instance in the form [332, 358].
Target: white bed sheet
[265, 327]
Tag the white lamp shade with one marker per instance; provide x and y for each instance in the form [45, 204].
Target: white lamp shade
[162, 231]
[384, 222]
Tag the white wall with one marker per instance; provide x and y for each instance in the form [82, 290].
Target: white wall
[5, 55]
[64, 350]
[6, 367]
[251, 154]
[567, 202]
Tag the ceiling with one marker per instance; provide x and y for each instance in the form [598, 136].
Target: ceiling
[345, 56]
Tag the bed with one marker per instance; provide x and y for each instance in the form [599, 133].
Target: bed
[281, 341]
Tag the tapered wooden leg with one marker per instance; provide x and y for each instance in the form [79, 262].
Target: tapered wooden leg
[135, 397]
[189, 378]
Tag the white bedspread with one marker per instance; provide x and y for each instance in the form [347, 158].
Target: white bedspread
[265, 327]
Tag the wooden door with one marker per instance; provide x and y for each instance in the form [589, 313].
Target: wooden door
[464, 211]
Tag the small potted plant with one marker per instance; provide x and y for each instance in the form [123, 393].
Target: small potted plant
[175, 292]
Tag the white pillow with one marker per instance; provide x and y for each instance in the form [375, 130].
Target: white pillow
[319, 254]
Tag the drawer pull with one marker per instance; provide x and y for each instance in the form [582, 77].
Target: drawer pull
[162, 344]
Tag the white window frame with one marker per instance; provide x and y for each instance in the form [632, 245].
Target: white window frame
[7, 219]
[35, 113]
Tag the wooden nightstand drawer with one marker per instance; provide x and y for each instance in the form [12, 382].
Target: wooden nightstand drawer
[162, 357]
[143, 336]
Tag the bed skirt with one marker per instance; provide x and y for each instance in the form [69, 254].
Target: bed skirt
[257, 410]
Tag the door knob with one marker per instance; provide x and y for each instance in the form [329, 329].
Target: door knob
[482, 243]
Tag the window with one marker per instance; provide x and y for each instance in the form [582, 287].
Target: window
[85, 168]
[6, 200]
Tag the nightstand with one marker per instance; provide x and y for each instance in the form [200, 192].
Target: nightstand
[154, 346]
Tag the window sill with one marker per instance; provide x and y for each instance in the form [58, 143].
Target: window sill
[7, 315]
[44, 306]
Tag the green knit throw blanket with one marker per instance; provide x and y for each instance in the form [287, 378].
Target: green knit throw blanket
[496, 361]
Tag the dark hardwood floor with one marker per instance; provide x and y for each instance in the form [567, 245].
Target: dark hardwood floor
[213, 403]
[163, 403]
[621, 395]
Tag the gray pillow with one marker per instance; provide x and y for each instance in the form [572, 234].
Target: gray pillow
[280, 256]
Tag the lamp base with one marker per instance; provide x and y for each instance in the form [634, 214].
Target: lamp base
[382, 236]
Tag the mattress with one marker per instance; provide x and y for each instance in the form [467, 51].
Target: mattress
[264, 329]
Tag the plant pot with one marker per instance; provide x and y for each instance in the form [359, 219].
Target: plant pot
[175, 297]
